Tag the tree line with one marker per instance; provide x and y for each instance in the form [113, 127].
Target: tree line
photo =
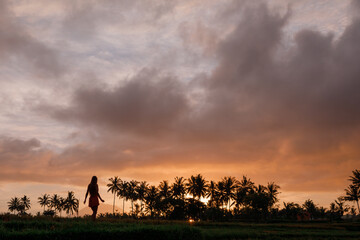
[52, 204]
[197, 198]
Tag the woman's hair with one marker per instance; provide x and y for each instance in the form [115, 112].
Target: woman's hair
[93, 188]
[93, 180]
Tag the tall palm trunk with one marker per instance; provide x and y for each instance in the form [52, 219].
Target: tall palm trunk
[123, 206]
[132, 207]
[114, 204]
[357, 202]
[140, 207]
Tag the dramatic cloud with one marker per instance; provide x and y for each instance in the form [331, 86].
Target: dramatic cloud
[21, 48]
[297, 104]
[144, 104]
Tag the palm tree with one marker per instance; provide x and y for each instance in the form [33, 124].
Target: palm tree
[246, 183]
[355, 178]
[353, 194]
[61, 204]
[178, 188]
[123, 192]
[260, 189]
[340, 205]
[25, 203]
[141, 192]
[132, 194]
[212, 194]
[196, 186]
[273, 191]
[114, 187]
[230, 185]
[14, 204]
[55, 202]
[71, 203]
[44, 200]
[220, 186]
[240, 196]
[164, 189]
[151, 198]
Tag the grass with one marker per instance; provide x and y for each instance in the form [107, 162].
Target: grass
[34, 228]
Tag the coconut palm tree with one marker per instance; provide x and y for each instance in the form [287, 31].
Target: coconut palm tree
[355, 178]
[14, 204]
[353, 194]
[220, 186]
[178, 188]
[212, 194]
[230, 185]
[114, 187]
[141, 192]
[123, 192]
[260, 189]
[246, 183]
[240, 196]
[25, 203]
[164, 190]
[151, 199]
[44, 200]
[61, 205]
[273, 191]
[132, 194]
[340, 205]
[71, 204]
[197, 186]
[55, 202]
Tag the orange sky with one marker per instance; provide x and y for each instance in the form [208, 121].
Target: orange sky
[154, 90]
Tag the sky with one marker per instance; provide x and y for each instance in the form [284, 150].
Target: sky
[154, 89]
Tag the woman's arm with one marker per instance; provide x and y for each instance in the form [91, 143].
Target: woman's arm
[99, 194]
[87, 191]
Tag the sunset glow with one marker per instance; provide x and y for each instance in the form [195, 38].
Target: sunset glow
[151, 90]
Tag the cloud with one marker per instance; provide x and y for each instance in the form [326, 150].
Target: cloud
[20, 48]
[148, 104]
[284, 112]
[84, 19]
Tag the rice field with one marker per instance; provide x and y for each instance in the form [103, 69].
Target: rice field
[43, 228]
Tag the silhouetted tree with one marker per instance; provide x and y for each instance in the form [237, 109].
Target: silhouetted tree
[44, 200]
[151, 199]
[71, 204]
[55, 202]
[141, 192]
[123, 192]
[353, 194]
[61, 205]
[273, 191]
[340, 206]
[114, 187]
[14, 204]
[196, 186]
[292, 210]
[164, 190]
[355, 178]
[310, 207]
[220, 186]
[178, 188]
[132, 193]
[213, 195]
[246, 183]
[24, 204]
[230, 185]
[240, 195]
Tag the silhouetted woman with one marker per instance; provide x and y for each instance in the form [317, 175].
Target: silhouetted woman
[93, 189]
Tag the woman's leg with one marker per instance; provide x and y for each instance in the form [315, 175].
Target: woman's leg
[94, 209]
